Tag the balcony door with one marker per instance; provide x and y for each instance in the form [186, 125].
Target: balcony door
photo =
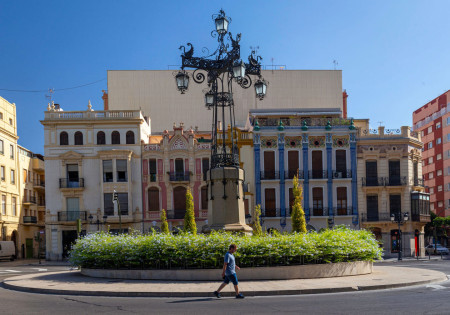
[394, 173]
[341, 163]
[317, 164]
[179, 202]
[270, 202]
[372, 208]
[73, 179]
[371, 173]
[317, 201]
[293, 163]
[269, 165]
[73, 209]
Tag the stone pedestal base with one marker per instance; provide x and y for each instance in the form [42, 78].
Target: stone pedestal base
[226, 200]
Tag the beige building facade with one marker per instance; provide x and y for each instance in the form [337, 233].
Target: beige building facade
[390, 183]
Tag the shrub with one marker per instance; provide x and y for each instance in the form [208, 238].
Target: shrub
[164, 224]
[189, 218]
[257, 230]
[185, 250]
[298, 215]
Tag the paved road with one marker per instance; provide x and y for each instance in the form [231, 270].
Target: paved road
[427, 299]
[22, 267]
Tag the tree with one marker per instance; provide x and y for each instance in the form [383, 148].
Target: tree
[164, 224]
[257, 230]
[298, 215]
[189, 217]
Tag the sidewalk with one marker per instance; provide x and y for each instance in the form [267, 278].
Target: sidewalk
[73, 283]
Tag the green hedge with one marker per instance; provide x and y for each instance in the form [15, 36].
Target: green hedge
[162, 251]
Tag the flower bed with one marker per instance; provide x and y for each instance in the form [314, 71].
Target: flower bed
[186, 251]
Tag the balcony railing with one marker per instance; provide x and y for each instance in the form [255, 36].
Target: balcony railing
[270, 212]
[395, 181]
[29, 219]
[39, 183]
[72, 215]
[372, 181]
[70, 183]
[29, 200]
[420, 218]
[179, 176]
[338, 211]
[342, 174]
[375, 217]
[270, 175]
[175, 214]
[418, 182]
[319, 212]
[318, 174]
[152, 178]
[291, 173]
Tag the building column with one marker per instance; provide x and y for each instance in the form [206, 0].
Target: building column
[330, 174]
[355, 219]
[306, 177]
[256, 148]
[281, 169]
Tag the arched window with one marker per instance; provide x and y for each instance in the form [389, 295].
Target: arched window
[115, 137]
[130, 137]
[101, 137]
[63, 138]
[153, 199]
[78, 138]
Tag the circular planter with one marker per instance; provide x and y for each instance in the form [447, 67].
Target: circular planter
[259, 273]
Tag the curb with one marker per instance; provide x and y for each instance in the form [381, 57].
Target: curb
[226, 294]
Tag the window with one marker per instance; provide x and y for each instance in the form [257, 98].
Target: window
[1, 116]
[430, 175]
[372, 208]
[438, 141]
[269, 165]
[205, 167]
[448, 153]
[115, 137]
[439, 156]
[439, 188]
[204, 197]
[11, 151]
[448, 136]
[270, 202]
[341, 200]
[293, 164]
[13, 177]
[107, 171]
[11, 121]
[153, 199]
[121, 166]
[438, 125]
[14, 206]
[447, 188]
[395, 204]
[431, 190]
[179, 167]
[448, 120]
[430, 144]
[317, 164]
[430, 130]
[73, 179]
[3, 204]
[439, 173]
[73, 208]
[431, 205]
[317, 201]
[440, 204]
[3, 174]
[152, 166]
[394, 173]
[25, 175]
[123, 202]
[422, 133]
[78, 137]
[130, 137]
[101, 139]
[63, 138]
[371, 173]
[430, 160]
[341, 162]
[108, 205]
[1, 147]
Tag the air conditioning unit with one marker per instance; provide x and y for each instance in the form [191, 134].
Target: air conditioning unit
[337, 174]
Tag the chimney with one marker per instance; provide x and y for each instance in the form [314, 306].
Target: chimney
[105, 100]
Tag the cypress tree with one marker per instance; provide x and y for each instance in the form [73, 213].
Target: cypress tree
[189, 217]
[257, 230]
[298, 215]
[164, 224]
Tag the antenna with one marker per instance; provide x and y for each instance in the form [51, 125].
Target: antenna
[380, 122]
[335, 62]
[49, 96]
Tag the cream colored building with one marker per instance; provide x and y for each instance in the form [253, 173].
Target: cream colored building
[89, 155]
[390, 182]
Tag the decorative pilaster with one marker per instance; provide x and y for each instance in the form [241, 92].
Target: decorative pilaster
[355, 219]
[329, 147]
[256, 148]
[281, 169]
[306, 176]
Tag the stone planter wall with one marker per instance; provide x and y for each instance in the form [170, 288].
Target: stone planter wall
[259, 273]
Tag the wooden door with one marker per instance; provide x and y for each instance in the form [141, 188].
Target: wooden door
[179, 202]
[317, 165]
[270, 202]
[269, 165]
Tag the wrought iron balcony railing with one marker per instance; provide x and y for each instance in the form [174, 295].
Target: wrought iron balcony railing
[152, 177]
[29, 200]
[317, 174]
[291, 173]
[395, 181]
[319, 212]
[418, 182]
[179, 176]
[175, 214]
[270, 212]
[29, 219]
[71, 183]
[337, 211]
[270, 174]
[372, 181]
[342, 174]
[72, 215]
[375, 217]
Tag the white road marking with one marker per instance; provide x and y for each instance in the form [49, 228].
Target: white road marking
[436, 287]
[12, 271]
[40, 269]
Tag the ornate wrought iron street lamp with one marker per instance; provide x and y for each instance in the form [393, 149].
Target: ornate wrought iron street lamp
[399, 218]
[98, 222]
[219, 69]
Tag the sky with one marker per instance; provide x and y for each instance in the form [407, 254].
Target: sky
[394, 55]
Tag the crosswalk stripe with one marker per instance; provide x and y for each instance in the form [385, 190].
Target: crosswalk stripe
[13, 271]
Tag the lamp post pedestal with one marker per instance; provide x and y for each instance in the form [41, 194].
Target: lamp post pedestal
[226, 200]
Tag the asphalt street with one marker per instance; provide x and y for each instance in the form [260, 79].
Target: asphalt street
[426, 299]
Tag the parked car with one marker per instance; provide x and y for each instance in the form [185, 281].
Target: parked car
[7, 250]
[439, 249]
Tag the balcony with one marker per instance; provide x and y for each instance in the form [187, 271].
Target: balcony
[39, 184]
[179, 176]
[342, 174]
[29, 219]
[421, 218]
[395, 181]
[270, 213]
[175, 214]
[376, 217]
[270, 175]
[70, 183]
[29, 200]
[339, 211]
[291, 173]
[71, 215]
[152, 178]
[319, 212]
[317, 174]
[418, 182]
[372, 181]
